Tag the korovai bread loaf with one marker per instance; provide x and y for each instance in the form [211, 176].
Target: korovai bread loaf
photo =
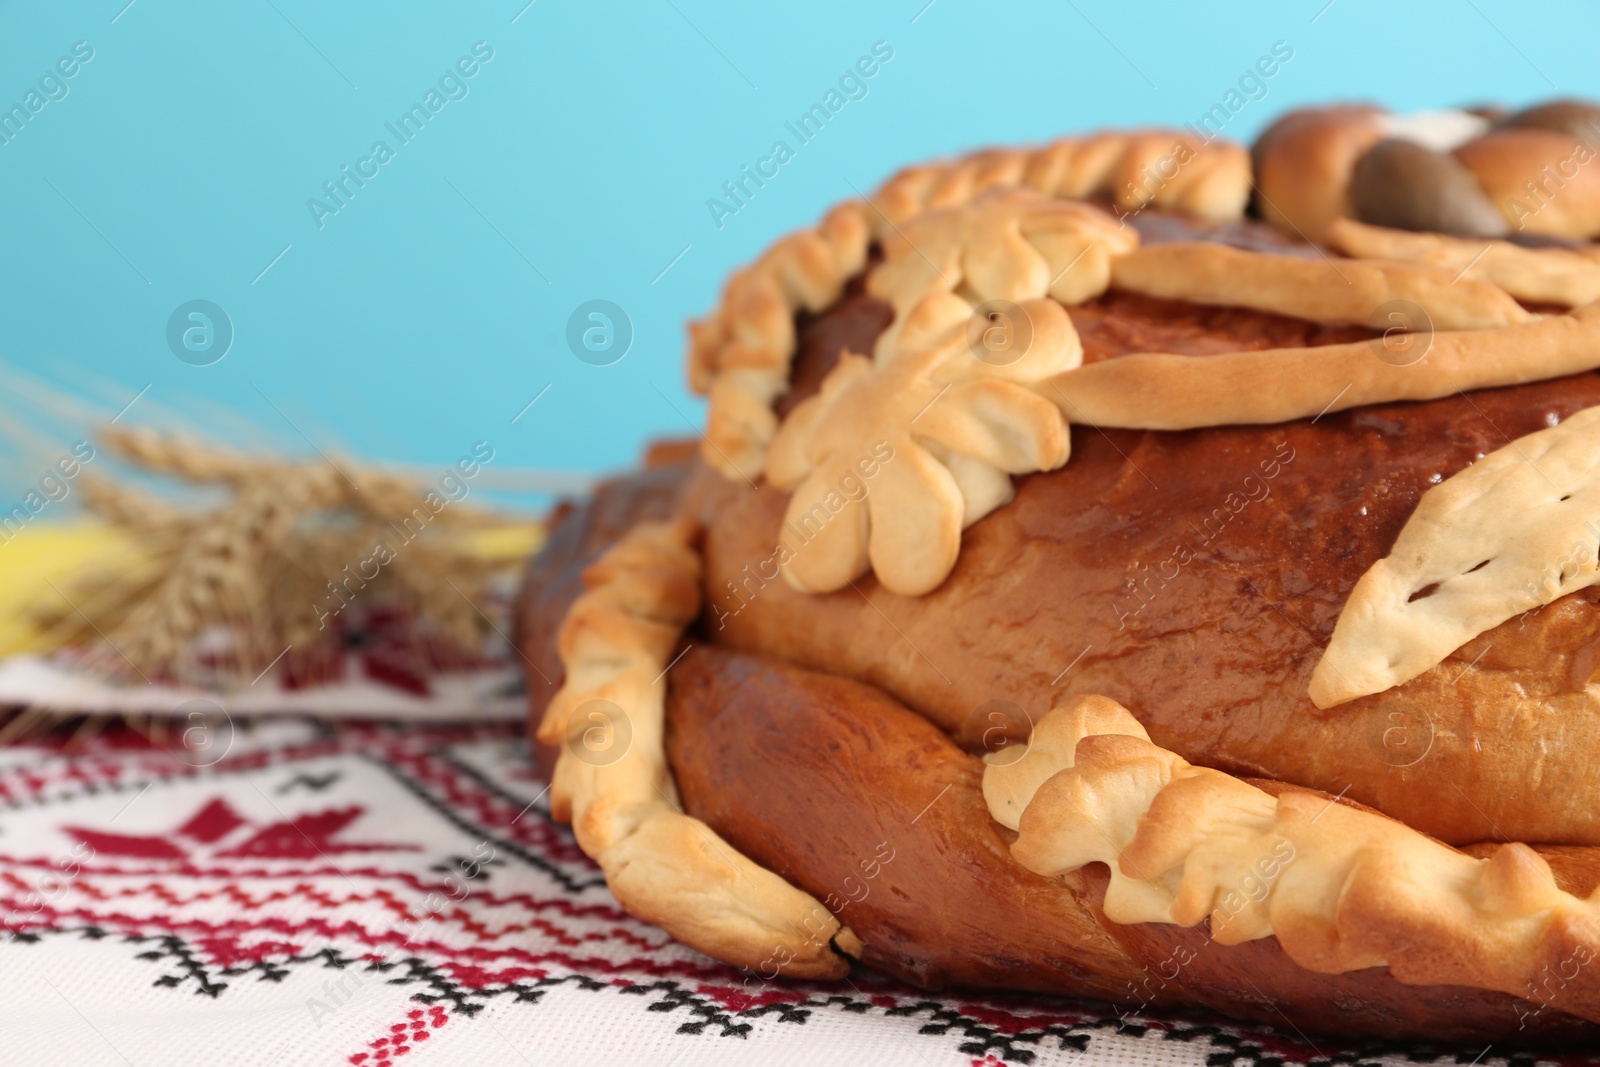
[1161, 590]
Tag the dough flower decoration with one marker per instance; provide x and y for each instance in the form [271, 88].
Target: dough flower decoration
[894, 457]
[1009, 244]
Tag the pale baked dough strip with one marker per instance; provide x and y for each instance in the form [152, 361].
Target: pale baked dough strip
[1156, 391]
[1317, 290]
[1560, 276]
[1341, 888]
[662, 865]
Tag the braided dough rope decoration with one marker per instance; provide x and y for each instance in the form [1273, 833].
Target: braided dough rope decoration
[1532, 176]
[1319, 290]
[1561, 276]
[1133, 169]
[1505, 161]
[1303, 165]
[1508, 534]
[739, 354]
[948, 428]
[662, 866]
[1157, 391]
[1342, 888]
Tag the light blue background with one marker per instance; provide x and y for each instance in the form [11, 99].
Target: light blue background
[411, 325]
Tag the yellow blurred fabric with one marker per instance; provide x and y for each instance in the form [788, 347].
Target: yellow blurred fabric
[42, 560]
[42, 554]
[509, 543]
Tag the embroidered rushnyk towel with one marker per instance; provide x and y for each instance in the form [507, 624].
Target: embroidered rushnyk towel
[373, 893]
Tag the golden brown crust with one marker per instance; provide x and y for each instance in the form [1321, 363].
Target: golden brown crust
[577, 535]
[881, 817]
[1015, 245]
[719, 705]
[1267, 139]
[1120, 323]
[1230, 978]
[1534, 173]
[1199, 576]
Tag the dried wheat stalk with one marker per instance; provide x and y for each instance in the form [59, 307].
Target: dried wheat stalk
[271, 566]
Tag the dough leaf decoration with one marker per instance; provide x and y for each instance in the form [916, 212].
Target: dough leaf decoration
[1514, 531]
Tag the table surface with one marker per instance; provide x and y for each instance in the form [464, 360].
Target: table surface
[362, 894]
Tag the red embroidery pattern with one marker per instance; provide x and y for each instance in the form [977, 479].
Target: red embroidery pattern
[401, 1038]
[418, 864]
[301, 838]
